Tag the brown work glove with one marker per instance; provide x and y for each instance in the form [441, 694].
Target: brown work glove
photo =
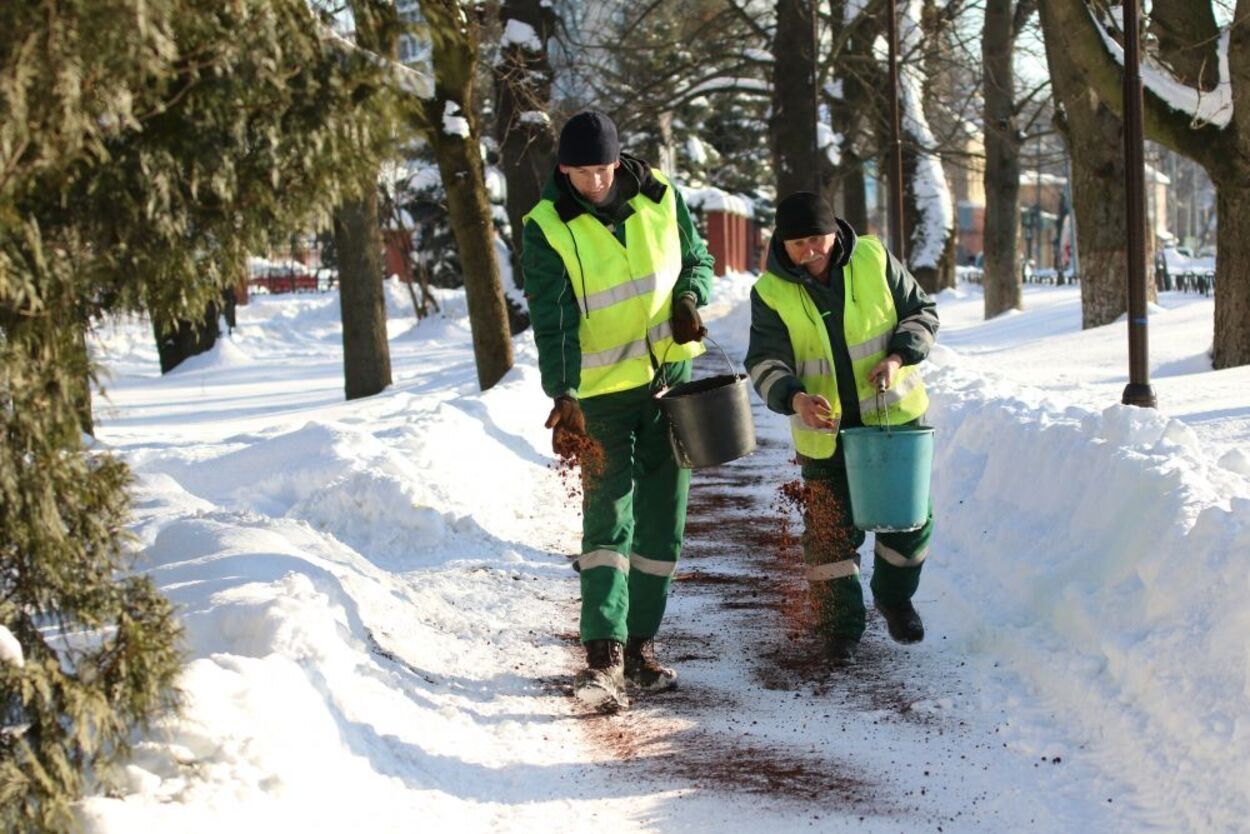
[568, 427]
[687, 323]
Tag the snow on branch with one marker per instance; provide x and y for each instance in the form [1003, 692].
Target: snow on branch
[714, 85]
[405, 78]
[1214, 107]
[830, 142]
[714, 199]
[454, 123]
[520, 34]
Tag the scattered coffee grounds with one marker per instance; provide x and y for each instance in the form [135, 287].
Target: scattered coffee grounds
[824, 532]
[825, 528]
[579, 464]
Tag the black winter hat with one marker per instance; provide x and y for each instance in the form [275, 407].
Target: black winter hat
[589, 138]
[803, 214]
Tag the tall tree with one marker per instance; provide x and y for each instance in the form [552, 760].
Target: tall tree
[1004, 20]
[154, 143]
[853, 72]
[362, 296]
[523, 126]
[1204, 116]
[792, 124]
[928, 210]
[1095, 139]
[448, 123]
[358, 240]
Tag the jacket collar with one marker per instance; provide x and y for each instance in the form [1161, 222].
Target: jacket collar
[632, 178]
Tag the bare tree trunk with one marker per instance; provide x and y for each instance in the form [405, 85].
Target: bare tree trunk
[792, 125]
[1003, 289]
[853, 115]
[854, 193]
[79, 369]
[186, 339]
[941, 275]
[461, 168]
[1222, 151]
[523, 128]
[1232, 295]
[362, 299]
[1095, 139]
[358, 244]
[451, 129]
[933, 277]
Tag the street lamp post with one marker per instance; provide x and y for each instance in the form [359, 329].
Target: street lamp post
[1138, 391]
[895, 163]
[1026, 221]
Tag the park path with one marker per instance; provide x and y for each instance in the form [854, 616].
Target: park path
[907, 739]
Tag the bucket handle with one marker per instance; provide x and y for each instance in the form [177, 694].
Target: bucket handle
[664, 359]
[882, 408]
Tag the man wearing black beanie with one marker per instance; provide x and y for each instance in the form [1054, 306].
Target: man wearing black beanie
[838, 326]
[614, 272]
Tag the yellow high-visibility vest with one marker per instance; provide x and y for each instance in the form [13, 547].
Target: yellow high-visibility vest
[625, 292]
[868, 322]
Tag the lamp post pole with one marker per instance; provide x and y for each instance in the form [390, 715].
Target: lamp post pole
[1138, 391]
[895, 161]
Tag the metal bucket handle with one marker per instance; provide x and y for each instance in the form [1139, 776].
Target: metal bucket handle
[664, 360]
[882, 407]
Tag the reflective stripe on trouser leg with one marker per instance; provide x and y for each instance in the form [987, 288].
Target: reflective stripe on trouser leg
[897, 561]
[830, 545]
[660, 492]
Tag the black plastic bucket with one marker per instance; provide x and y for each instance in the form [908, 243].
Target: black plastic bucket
[709, 419]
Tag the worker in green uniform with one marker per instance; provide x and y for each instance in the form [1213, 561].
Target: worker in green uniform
[615, 272]
[836, 320]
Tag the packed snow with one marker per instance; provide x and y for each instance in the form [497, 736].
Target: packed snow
[380, 613]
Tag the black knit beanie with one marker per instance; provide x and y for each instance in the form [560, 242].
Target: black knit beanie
[803, 214]
[589, 138]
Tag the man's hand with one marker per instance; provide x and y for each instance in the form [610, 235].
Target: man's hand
[883, 375]
[687, 323]
[815, 411]
[568, 426]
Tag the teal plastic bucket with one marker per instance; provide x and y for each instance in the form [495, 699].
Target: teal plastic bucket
[888, 472]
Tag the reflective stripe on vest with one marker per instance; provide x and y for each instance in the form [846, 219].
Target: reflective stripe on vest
[868, 322]
[625, 293]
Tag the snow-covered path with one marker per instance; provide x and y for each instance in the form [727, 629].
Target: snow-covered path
[381, 617]
[914, 739]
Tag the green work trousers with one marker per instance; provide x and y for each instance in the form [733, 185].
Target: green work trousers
[633, 515]
[830, 552]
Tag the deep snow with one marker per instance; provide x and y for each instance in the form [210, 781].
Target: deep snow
[379, 608]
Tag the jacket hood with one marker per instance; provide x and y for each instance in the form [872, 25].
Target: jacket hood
[779, 262]
[632, 178]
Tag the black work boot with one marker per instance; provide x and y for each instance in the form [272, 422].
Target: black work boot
[641, 668]
[601, 684]
[840, 651]
[902, 620]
